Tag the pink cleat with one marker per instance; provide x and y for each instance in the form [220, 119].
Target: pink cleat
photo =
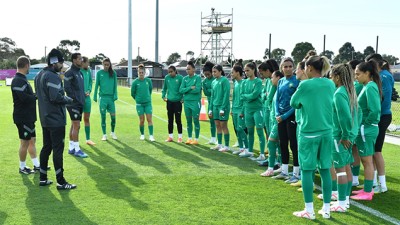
[366, 196]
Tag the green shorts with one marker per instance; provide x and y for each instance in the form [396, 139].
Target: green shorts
[87, 108]
[217, 116]
[315, 151]
[267, 112]
[107, 105]
[254, 119]
[340, 155]
[238, 121]
[365, 141]
[145, 108]
[192, 108]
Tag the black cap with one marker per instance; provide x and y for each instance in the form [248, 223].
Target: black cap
[54, 57]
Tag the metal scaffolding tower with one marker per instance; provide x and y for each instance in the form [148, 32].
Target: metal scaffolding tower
[216, 36]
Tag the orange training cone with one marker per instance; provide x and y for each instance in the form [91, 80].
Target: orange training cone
[203, 113]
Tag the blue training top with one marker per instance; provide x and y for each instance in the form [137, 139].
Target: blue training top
[284, 92]
[387, 88]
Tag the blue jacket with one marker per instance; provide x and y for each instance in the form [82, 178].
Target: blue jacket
[387, 88]
[284, 92]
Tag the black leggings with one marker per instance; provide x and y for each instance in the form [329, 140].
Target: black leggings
[383, 125]
[174, 108]
[287, 132]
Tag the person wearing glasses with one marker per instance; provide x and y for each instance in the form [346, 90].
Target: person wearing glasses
[191, 90]
[171, 95]
[206, 84]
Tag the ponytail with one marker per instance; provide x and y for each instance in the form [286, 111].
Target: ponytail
[372, 67]
[320, 63]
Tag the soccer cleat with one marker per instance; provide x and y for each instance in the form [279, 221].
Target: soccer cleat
[223, 149]
[334, 196]
[114, 136]
[80, 154]
[237, 152]
[379, 189]
[188, 142]
[151, 138]
[212, 142]
[246, 154]
[45, 182]
[279, 170]
[292, 180]
[305, 214]
[337, 208]
[169, 139]
[89, 142]
[37, 168]
[297, 184]
[281, 176]
[365, 196]
[267, 173]
[71, 151]
[104, 138]
[194, 142]
[142, 137]
[325, 214]
[261, 157]
[65, 186]
[179, 140]
[26, 170]
[358, 192]
[217, 147]
[263, 163]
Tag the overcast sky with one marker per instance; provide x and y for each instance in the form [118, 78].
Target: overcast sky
[101, 26]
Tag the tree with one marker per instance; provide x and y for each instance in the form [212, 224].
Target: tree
[189, 53]
[266, 54]
[98, 58]
[278, 54]
[329, 54]
[368, 51]
[346, 53]
[67, 47]
[300, 51]
[174, 57]
[392, 60]
[9, 53]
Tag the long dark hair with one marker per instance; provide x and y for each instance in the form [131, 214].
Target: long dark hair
[208, 66]
[220, 69]
[253, 66]
[372, 67]
[238, 69]
[270, 65]
[110, 69]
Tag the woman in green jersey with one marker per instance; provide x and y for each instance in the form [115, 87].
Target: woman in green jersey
[206, 84]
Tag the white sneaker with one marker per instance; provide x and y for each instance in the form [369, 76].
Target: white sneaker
[142, 137]
[217, 147]
[104, 138]
[212, 142]
[224, 149]
[305, 214]
[114, 136]
[238, 151]
[325, 214]
[151, 138]
[261, 157]
[337, 208]
[246, 154]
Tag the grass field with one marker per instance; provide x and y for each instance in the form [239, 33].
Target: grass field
[127, 181]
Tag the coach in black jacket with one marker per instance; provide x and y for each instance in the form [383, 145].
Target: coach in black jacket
[52, 101]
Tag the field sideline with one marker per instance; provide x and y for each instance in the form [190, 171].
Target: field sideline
[128, 181]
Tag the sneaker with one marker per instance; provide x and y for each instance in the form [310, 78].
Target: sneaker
[261, 157]
[38, 168]
[179, 140]
[114, 136]
[337, 208]
[281, 176]
[26, 170]
[297, 184]
[235, 145]
[279, 170]
[45, 182]
[325, 214]
[142, 137]
[224, 149]
[366, 196]
[212, 142]
[217, 147]
[188, 142]
[379, 189]
[246, 154]
[358, 192]
[237, 151]
[151, 138]
[66, 186]
[194, 142]
[80, 154]
[71, 151]
[334, 196]
[267, 173]
[169, 139]
[305, 214]
[89, 142]
[263, 163]
[292, 180]
[104, 138]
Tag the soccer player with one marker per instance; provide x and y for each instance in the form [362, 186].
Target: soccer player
[253, 113]
[315, 137]
[87, 108]
[24, 115]
[106, 87]
[74, 88]
[141, 90]
[369, 102]
[206, 84]
[174, 99]
[52, 101]
[191, 90]
[220, 106]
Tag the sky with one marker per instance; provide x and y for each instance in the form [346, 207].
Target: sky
[101, 26]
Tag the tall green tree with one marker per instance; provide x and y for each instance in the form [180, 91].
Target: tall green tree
[346, 53]
[278, 54]
[98, 58]
[266, 54]
[368, 51]
[174, 57]
[9, 53]
[67, 47]
[392, 60]
[329, 54]
[300, 51]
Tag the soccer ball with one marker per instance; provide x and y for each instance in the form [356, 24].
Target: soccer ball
[392, 127]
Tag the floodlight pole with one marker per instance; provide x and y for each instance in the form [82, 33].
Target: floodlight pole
[156, 47]
[130, 41]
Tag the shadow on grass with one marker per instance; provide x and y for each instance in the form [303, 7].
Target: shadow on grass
[179, 155]
[3, 217]
[109, 178]
[45, 208]
[137, 157]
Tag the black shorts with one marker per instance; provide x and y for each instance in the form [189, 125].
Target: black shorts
[75, 113]
[26, 131]
[383, 124]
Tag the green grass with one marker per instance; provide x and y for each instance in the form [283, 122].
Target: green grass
[134, 182]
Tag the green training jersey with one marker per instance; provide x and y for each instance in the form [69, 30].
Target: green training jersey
[206, 84]
[343, 117]
[220, 93]
[264, 93]
[106, 84]
[237, 103]
[314, 98]
[251, 94]
[358, 87]
[370, 104]
[141, 90]
[190, 94]
[171, 88]
[87, 80]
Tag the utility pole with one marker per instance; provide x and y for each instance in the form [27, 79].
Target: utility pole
[156, 47]
[130, 41]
